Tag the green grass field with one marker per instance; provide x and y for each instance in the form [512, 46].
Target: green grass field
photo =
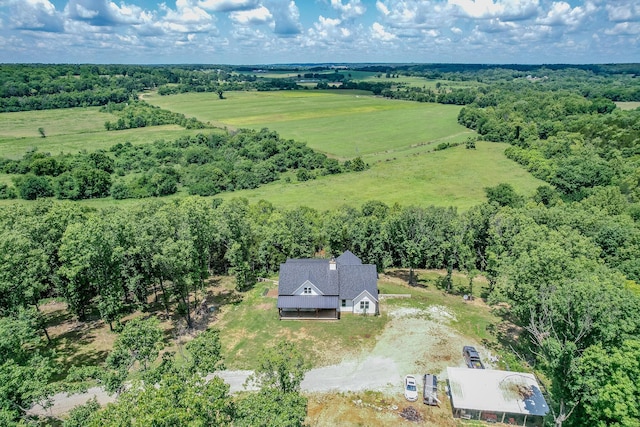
[72, 130]
[397, 138]
[453, 177]
[344, 124]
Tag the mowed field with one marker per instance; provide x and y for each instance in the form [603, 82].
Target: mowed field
[342, 124]
[71, 130]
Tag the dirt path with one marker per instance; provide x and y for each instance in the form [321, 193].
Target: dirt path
[414, 342]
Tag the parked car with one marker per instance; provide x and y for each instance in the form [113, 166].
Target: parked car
[472, 357]
[410, 388]
[430, 392]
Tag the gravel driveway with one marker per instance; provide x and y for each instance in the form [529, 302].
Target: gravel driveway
[414, 342]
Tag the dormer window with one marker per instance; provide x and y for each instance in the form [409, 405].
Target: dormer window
[307, 291]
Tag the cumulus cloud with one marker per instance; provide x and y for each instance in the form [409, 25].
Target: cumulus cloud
[186, 18]
[286, 17]
[505, 10]
[329, 31]
[352, 8]
[414, 14]
[260, 15]
[378, 32]
[562, 14]
[622, 11]
[228, 5]
[102, 12]
[624, 28]
[36, 15]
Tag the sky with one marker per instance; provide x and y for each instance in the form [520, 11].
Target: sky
[319, 31]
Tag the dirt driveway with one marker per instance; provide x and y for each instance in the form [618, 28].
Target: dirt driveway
[415, 341]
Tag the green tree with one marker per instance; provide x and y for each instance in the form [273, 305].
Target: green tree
[31, 186]
[607, 381]
[279, 402]
[26, 367]
[504, 195]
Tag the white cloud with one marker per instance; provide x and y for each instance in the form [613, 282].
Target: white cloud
[382, 8]
[409, 15]
[506, 10]
[562, 14]
[103, 12]
[38, 15]
[378, 32]
[186, 18]
[228, 5]
[286, 17]
[352, 9]
[456, 30]
[260, 15]
[624, 28]
[622, 11]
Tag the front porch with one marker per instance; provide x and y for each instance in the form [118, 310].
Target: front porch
[307, 314]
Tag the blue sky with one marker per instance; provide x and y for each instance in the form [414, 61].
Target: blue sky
[297, 31]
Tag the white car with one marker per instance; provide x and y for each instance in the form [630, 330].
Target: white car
[410, 388]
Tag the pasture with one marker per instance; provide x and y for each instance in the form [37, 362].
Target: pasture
[71, 130]
[342, 124]
[396, 138]
[453, 177]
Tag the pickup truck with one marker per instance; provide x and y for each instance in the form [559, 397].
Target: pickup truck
[472, 357]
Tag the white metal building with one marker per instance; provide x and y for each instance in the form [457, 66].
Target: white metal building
[496, 396]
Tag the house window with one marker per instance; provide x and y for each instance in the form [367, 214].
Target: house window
[364, 305]
[307, 291]
[344, 302]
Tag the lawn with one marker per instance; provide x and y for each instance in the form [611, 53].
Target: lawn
[252, 325]
[343, 124]
[71, 130]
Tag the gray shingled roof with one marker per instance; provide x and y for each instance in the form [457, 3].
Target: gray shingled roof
[356, 278]
[294, 273]
[348, 258]
[346, 282]
[305, 301]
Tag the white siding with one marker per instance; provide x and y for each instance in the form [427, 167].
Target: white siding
[348, 306]
[365, 306]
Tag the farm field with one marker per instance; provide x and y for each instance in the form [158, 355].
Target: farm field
[342, 124]
[453, 177]
[71, 130]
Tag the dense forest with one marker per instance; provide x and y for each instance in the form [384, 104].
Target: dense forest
[562, 265]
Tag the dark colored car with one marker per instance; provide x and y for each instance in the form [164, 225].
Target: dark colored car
[472, 357]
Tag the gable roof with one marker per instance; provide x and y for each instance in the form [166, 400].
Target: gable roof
[348, 258]
[347, 281]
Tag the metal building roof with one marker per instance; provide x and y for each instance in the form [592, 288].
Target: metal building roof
[308, 301]
[496, 391]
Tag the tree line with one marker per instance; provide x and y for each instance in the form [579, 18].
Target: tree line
[564, 270]
[204, 164]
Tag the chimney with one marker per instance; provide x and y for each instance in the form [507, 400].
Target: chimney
[332, 264]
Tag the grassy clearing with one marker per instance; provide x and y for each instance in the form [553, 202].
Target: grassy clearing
[253, 325]
[344, 124]
[474, 318]
[452, 177]
[71, 130]
[628, 105]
